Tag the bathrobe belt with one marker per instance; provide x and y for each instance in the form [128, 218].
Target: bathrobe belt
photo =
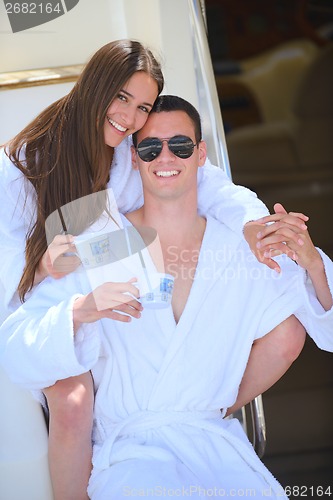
[106, 433]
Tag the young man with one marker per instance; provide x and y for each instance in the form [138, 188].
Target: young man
[162, 381]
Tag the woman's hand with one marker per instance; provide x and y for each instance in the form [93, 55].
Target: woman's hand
[279, 233]
[59, 259]
[289, 235]
[115, 301]
[251, 230]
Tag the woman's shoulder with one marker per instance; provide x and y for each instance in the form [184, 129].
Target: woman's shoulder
[123, 149]
[8, 170]
[13, 183]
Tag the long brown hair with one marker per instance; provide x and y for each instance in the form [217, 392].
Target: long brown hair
[65, 156]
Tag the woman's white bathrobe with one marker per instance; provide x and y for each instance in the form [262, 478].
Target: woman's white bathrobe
[231, 204]
[158, 428]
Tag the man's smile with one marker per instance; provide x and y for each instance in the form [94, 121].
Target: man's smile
[166, 173]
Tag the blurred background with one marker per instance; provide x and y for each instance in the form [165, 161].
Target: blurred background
[273, 66]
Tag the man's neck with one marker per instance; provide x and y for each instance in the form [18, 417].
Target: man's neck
[173, 219]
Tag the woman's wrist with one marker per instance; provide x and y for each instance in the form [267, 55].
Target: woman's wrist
[40, 273]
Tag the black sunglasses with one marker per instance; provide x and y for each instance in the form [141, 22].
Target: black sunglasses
[180, 145]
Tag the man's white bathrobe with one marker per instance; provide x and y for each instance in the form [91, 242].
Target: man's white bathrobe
[158, 428]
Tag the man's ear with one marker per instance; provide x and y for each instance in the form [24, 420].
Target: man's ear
[202, 153]
[135, 165]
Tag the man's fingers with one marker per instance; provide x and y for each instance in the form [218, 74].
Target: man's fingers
[117, 296]
[123, 287]
[133, 310]
[117, 316]
[122, 313]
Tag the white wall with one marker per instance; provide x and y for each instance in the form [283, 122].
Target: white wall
[20, 106]
[69, 39]
[75, 36]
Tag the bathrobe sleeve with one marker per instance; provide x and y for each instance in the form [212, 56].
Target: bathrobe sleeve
[16, 215]
[37, 342]
[227, 202]
[317, 322]
[218, 196]
[294, 294]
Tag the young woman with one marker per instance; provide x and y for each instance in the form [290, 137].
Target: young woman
[77, 146]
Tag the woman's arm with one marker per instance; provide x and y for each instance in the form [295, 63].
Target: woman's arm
[225, 201]
[236, 206]
[287, 233]
[310, 270]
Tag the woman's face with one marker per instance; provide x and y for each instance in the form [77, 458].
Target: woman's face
[129, 110]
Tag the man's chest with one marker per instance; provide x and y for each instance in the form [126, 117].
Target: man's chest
[182, 265]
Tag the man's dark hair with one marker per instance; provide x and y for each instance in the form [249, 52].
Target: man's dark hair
[165, 103]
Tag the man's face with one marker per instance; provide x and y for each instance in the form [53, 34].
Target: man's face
[168, 175]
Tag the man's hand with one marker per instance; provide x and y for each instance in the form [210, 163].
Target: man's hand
[117, 301]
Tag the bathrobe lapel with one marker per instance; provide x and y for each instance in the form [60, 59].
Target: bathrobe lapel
[217, 250]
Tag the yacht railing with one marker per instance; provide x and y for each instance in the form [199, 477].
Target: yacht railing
[206, 88]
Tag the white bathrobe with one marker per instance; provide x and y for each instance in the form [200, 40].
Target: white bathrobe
[231, 204]
[158, 428]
